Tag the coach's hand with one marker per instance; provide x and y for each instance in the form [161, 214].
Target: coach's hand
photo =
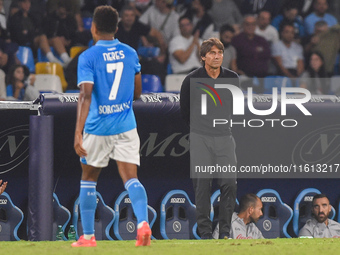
[78, 142]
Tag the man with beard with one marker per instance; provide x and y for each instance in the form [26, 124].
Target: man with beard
[319, 226]
[243, 223]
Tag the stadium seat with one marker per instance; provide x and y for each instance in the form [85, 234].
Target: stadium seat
[87, 21]
[42, 57]
[125, 225]
[148, 52]
[335, 85]
[303, 208]
[48, 83]
[274, 81]
[76, 49]
[61, 216]
[151, 83]
[25, 55]
[337, 65]
[11, 218]
[51, 68]
[276, 215]
[173, 82]
[104, 218]
[177, 217]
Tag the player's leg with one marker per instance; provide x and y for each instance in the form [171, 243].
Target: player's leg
[126, 154]
[88, 205]
[98, 149]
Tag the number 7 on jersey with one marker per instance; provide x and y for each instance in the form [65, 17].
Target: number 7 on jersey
[116, 82]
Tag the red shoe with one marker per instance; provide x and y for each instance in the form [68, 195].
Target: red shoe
[143, 235]
[85, 243]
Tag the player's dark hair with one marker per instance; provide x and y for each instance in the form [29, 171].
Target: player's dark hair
[106, 19]
[247, 201]
[208, 44]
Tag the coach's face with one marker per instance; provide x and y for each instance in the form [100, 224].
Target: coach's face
[213, 58]
[257, 213]
[321, 209]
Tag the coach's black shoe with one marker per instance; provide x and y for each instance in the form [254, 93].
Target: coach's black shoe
[207, 236]
[224, 235]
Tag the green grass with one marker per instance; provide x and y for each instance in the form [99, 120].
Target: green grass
[165, 247]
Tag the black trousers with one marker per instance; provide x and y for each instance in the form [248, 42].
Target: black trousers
[210, 151]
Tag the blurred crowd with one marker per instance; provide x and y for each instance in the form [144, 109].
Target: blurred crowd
[298, 39]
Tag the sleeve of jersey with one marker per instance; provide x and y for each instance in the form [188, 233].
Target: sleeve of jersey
[137, 64]
[85, 69]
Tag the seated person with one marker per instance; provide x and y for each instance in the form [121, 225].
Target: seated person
[320, 226]
[243, 223]
[287, 54]
[20, 84]
[315, 78]
[227, 33]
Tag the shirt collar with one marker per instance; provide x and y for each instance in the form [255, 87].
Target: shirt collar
[108, 43]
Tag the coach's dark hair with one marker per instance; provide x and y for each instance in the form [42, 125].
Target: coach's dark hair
[247, 201]
[208, 44]
[317, 196]
[106, 19]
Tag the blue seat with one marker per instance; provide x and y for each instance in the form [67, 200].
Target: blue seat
[42, 57]
[303, 208]
[151, 83]
[276, 81]
[25, 55]
[125, 225]
[87, 21]
[148, 52]
[61, 216]
[11, 218]
[178, 216]
[276, 215]
[104, 218]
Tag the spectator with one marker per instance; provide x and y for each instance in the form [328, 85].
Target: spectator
[287, 54]
[60, 28]
[227, 33]
[139, 6]
[290, 14]
[162, 17]
[264, 28]
[225, 12]
[253, 51]
[326, 41]
[254, 7]
[320, 8]
[25, 31]
[73, 9]
[201, 20]
[243, 223]
[315, 78]
[2, 186]
[320, 226]
[130, 30]
[20, 84]
[184, 49]
[305, 7]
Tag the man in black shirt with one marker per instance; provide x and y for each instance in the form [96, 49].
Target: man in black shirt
[210, 145]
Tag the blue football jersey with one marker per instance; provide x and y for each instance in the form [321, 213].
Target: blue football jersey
[111, 66]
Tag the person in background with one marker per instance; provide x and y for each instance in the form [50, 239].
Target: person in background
[20, 84]
[265, 29]
[320, 226]
[227, 33]
[315, 78]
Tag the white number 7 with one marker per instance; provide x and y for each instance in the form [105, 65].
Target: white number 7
[116, 82]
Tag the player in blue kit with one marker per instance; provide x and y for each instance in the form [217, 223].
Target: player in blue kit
[109, 79]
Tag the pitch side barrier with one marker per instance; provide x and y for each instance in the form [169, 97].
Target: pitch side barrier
[265, 142]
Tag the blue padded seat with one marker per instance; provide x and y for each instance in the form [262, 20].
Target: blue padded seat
[178, 216]
[61, 216]
[276, 215]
